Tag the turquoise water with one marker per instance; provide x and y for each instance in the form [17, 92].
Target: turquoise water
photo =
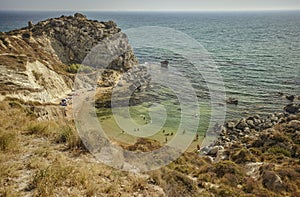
[257, 53]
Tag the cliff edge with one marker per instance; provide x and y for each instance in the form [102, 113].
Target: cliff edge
[34, 60]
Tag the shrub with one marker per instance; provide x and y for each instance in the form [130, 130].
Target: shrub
[223, 167]
[75, 68]
[7, 140]
[230, 179]
[278, 150]
[255, 151]
[243, 156]
[68, 135]
[45, 181]
[38, 128]
[250, 185]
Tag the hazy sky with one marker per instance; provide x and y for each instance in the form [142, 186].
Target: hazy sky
[149, 5]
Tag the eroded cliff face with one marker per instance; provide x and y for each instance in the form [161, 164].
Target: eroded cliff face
[34, 60]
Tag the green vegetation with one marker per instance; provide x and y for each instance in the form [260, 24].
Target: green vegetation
[278, 150]
[75, 68]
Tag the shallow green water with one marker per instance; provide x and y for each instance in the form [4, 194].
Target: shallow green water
[140, 115]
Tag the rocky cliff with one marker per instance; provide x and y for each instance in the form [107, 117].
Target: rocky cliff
[34, 60]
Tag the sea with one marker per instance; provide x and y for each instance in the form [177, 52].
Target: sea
[257, 53]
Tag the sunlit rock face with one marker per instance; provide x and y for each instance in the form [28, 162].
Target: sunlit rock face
[34, 60]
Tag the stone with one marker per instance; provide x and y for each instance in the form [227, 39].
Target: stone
[26, 35]
[250, 123]
[233, 101]
[241, 125]
[282, 120]
[290, 97]
[274, 118]
[164, 63]
[292, 117]
[79, 15]
[280, 115]
[247, 130]
[214, 150]
[222, 155]
[230, 125]
[294, 124]
[291, 108]
[256, 116]
[30, 24]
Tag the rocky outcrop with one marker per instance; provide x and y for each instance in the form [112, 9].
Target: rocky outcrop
[73, 37]
[128, 87]
[233, 101]
[254, 126]
[34, 60]
[48, 112]
[265, 148]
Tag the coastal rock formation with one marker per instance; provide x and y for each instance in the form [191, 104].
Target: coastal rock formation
[34, 60]
[258, 144]
[233, 101]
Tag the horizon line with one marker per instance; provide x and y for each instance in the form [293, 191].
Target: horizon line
[140, 10]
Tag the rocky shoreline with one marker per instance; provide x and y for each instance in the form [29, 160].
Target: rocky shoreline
[249, 132]
[253, 156]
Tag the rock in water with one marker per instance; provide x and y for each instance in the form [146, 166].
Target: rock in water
[290, 97]
[164, 63]
[79, 15]
[291, 108]
[233, 101]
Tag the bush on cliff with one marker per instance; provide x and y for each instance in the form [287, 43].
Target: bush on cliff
[75, 68]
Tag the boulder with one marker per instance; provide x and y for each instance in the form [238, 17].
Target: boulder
[214, 150]
[250, 123]
[291, 108]
[294, 124]
[274, 118]
[164, 63]
[241, 125]
[233, 101]
[290, 97]
[30, 24]
[79, 15]
[230, 125]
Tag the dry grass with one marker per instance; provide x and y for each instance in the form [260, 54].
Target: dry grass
[59, 132]
[40, 156]
[8, 140]
[45, 181]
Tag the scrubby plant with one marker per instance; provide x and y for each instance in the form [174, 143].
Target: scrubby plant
[280, 137]
[7, 140]
[75, 68]
[230, 179]
[38, 128]
[47, 180]
[255, 151]
[223, 167]
[67, 134]
[243, 156]
[278, 150]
